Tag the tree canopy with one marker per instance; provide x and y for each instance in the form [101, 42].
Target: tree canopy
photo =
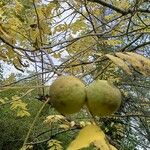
[89, 39]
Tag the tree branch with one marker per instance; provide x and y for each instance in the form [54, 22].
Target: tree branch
[110, 6]
[121, 11]
[139, 46]
[14, 47]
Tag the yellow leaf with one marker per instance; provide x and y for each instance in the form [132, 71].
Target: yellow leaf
[54, 118]
[112, 147]
[19, 106]
[120, 63]
[112, 42]
[14, 23]
[140, 57]
[78, 25]
[11, 78]
[18, 6]
[139, 62]
[4, 33]
[100, 145]
[89, 134]
[16, 62]
[2, 101]
[60, 28]
[64, 126]
[56, 55]
[135, 62]
[123, 4]
[132, 60]
[145, 63]
[110, 16]
[82, 124]
[34, 33]
[1, 12]
[98, 54]
[50, 7]
[27, 147]
[2, 54]
[22, 113]
[72, 123]
[54, 145]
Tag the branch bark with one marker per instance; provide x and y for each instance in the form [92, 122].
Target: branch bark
[121, 11]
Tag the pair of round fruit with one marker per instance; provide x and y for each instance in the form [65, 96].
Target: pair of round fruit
[68, 94]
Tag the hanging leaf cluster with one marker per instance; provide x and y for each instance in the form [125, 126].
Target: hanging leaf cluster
[19, 106]
[129, 61]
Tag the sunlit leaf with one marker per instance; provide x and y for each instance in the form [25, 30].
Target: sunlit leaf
[120, 63]
[18, 6]
[124, 4]
[112, 147]
[2, 101]
[64, 126]
[88, 135]
[22, 113]
[78, 25]
[4, 33]
[113, 42]
[54, 118]
[19, 106]
[139, 62]
[72, 123]
[56, 55]
[27, 147]
[54, 145]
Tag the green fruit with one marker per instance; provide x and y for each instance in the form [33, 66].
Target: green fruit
[67, 94]
[103, 98]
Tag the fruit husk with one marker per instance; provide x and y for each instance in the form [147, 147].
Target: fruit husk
[67, 94]
[103, 98]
